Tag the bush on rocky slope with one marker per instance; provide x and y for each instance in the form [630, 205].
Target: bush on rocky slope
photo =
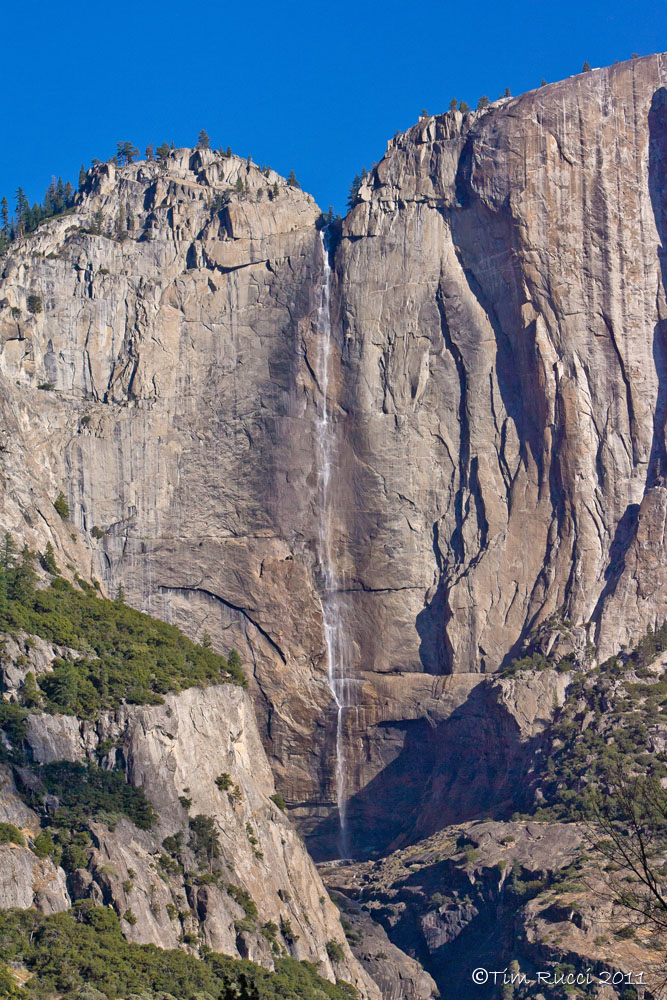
[85, 948]
[614, 720]
[126, 655]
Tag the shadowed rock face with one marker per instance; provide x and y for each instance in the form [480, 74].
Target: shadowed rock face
[497, 393]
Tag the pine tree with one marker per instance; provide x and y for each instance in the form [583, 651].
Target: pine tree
[30, 693]
[203, 141]
[150, 152]
[23, 585]
[163, 153]
[8, 552]
[276, 189]
[22, 207]
[4, 216]
[508, 92]
[464, 107]
[49, 560]
[483, 102]
[292, 181]
[453, 104]
[82, 177]
[97, 223]
[354, 191]
[126, 152]
[586, 68]
[544, 82]
[234, 661]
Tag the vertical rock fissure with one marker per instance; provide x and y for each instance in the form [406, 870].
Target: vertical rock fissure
[338, 657]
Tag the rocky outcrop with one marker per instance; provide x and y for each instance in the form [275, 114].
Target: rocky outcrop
[174, 752]
[496, 393]
[489, 895]
[398, 976]
[26, 880]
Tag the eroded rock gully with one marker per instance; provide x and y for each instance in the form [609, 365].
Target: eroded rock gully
[498, 401]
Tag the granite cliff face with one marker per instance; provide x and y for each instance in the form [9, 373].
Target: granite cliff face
[497, 401]
[174, 752]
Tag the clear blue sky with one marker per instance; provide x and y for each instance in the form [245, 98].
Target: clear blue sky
[308, 87]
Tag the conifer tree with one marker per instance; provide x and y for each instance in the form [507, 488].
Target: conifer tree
[163, 153]
[453, 104]
[49, 560]
[126, 152]
[586, 68]
[82, 176]
[22, 207]
[4, 216]
[203, 141]
[150, 152]
[292, 181]
[24, 577]
[354, 191]
[30, 693]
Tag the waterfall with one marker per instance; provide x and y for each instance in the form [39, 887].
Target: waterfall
[334, 631]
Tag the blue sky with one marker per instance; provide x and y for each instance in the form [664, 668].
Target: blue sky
[317, 89]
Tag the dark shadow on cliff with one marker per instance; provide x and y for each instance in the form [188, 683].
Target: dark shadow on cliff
[471, 766]
[431, 623]
[483, 929]
[657, 185]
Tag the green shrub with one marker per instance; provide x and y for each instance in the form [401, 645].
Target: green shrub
[247, 903]
[287, 932]
[335, 951]
[61, 505]
[43, 845]
[97, 532]
[223, 781]
[10, 834]
[279, 801]
[34, 303]
[204, 838]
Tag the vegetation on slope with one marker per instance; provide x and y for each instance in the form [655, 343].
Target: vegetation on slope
[613, 722]
[125, 654]
[77, 953]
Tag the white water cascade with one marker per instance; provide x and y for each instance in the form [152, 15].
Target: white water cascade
[340, 682]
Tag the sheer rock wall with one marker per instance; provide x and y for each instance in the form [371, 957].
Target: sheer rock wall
[498, 395]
